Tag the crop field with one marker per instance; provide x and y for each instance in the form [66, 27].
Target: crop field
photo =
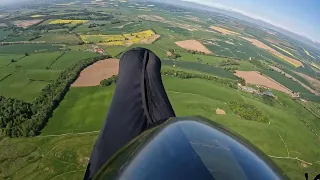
[301, 79]
[200, 67]
[114, 51]
[223, 30]
[79, 99]
[307, 52]
[60, 38]
[261, 45]
[63, 21]
[143, 37]
[283, 50]
[32, 73]
[28, 48]
[282, 79]
[315, 65]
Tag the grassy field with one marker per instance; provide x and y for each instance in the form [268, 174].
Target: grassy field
[200, 67]
[92, 100]
[28, 48]
[32, 73]
[60, 38]
[114, 51]
[60, 157]
[84, 109]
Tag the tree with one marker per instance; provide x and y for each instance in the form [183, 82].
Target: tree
[12, 61]
[26, 54]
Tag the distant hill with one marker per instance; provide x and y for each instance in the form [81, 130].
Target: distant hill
[306, 41]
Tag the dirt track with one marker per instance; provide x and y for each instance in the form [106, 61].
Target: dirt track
[94, 74]
[254, 77]
[193, 45]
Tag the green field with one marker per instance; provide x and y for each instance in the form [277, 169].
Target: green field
[92, 100]
[3, 34]
[28, 48]
[282, 79]
[28, 75]
[200, 67]
[60, 38]
[74, 115]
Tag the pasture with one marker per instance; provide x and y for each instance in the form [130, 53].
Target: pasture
[200, 67]
[29, 48]
[63, 38]
[28, 75]
[92, 101]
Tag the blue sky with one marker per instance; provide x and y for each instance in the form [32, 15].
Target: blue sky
[298, 16]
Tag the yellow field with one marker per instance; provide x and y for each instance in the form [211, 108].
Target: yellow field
[146, 37]
[223, 30]
[64, 21]
[37, 15]
[308, 54]
[315, 65]
[283, 50]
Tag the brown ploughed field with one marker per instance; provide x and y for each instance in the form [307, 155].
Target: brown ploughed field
[254, 77]
[94, 74]
[193, 45]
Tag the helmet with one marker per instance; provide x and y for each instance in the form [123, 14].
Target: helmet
[189, 148]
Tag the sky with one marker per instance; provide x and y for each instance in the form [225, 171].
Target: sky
[299, 16]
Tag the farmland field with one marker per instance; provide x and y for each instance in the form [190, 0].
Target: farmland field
[63, 21]
[32, 73]
[186, 99]
[59, 38]
[54, 55]
[28, 48]
[143, 37]
[200, 67]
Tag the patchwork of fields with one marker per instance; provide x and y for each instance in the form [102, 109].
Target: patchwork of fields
[26, 76]
[204, 55]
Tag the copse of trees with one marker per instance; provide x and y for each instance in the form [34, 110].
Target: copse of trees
[173, 54]
[23, 119]
[109, 81]
[229, 62]
[248, 112]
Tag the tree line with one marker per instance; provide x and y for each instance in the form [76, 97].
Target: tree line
[107, 82]
[18, 118]
[188, 75]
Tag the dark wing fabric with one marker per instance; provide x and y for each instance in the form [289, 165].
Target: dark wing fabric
[139, 102]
